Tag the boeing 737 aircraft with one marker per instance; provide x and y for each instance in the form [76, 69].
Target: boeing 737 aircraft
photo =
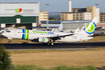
[50, 37]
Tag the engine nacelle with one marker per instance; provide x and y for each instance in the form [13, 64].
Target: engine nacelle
[40, 40]
[43, 40]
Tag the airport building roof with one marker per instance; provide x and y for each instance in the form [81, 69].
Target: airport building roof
[51, 22]
[76, 21]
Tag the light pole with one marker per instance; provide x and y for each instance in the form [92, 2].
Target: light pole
[97, 5]
[47, 15]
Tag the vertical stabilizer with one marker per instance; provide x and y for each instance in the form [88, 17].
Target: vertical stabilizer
[90, 28]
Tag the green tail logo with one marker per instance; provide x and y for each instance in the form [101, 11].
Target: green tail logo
[90, 28]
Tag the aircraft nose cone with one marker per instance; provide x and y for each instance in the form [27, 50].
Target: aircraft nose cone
[4, 34]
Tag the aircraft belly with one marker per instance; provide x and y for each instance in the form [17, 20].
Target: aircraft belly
[32, 36]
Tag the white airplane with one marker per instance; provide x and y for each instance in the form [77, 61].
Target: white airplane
[50, 37]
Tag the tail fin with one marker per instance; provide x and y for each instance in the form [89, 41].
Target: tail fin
[90, 28]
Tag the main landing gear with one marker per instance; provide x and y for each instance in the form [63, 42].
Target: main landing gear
[51, 42]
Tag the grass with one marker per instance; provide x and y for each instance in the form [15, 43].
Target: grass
[27, 67]
[50, 59]
[33, 67]
[27, 51]
[97, 39]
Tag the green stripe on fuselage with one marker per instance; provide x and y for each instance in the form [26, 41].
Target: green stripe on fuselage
[27, 31]
[40, 32]
[27, 34]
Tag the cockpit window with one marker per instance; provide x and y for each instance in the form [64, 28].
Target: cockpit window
[8, 31]
[2, 31]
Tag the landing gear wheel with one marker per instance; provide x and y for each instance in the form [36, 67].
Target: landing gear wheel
[10, 41]
[50, 43]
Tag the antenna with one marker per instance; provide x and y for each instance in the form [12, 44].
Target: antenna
[97, 5]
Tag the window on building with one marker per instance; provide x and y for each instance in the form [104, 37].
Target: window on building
[90, 10]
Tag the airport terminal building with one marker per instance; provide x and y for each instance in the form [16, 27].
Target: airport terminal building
[19, 15]
[67, 25]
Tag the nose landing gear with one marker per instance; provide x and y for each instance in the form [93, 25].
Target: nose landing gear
[10, 40]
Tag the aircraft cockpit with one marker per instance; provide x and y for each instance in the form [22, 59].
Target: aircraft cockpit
[8, 31]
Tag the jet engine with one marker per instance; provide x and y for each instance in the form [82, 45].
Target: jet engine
[45, 40]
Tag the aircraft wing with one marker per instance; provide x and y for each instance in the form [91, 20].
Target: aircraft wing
[58, 37]
[54, 38]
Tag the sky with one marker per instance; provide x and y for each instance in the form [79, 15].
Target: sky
[63, 5]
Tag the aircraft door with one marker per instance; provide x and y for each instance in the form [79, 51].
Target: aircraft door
[15, 33]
